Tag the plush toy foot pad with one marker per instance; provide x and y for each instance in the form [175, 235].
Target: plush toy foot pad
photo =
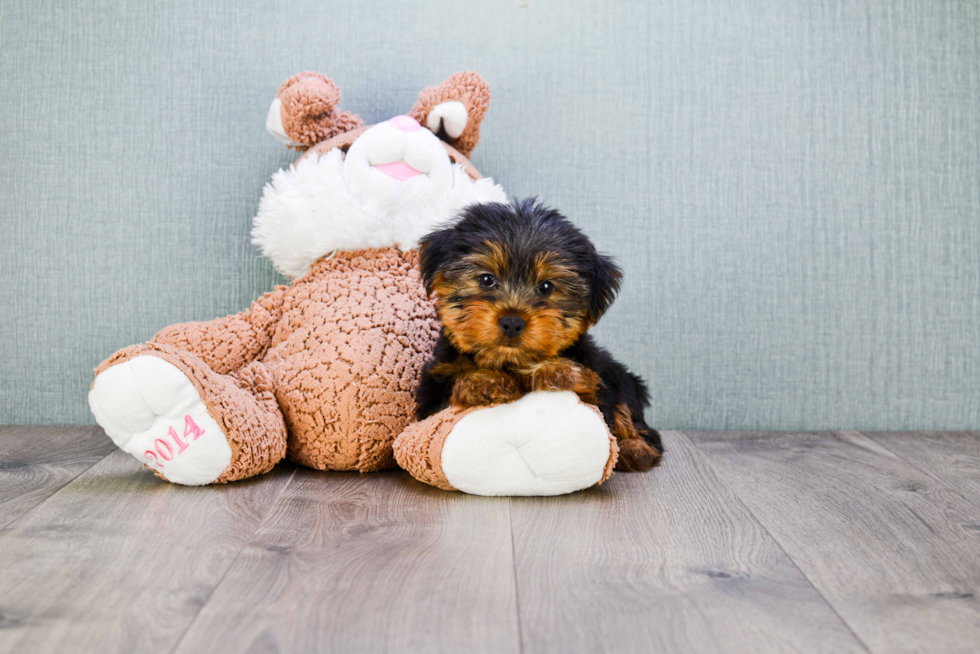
[545, 443]
[150, 409]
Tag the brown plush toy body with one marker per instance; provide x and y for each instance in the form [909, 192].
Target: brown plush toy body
[323, 371]
[290, 366]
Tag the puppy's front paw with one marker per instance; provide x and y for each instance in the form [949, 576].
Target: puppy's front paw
[565, 375]
[636, 455]
[483, 387]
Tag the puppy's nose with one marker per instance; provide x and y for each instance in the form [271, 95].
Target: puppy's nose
[512, 325]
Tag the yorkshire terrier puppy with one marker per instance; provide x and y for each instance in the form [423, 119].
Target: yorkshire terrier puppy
[516, 288]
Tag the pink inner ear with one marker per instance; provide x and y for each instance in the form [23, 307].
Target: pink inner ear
[398, 170]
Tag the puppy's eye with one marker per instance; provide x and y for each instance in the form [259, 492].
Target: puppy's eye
[487, 280]
[545, 288]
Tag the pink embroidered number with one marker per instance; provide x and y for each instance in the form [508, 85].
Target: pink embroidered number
[163, 450]
[164, 445]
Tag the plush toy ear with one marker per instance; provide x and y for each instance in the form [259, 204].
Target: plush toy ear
[434, 249]
[454, 110]
[604, 285]
[304, 111]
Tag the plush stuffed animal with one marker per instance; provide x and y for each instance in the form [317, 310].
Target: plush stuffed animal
[322, 371]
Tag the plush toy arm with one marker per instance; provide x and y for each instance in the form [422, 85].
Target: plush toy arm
[455, 109]
[545, 443]
[228, 344]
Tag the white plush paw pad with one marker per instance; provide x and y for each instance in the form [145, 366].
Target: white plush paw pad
[151, 410]
[542, 444]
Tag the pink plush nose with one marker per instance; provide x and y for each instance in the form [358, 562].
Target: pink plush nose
[405, 123]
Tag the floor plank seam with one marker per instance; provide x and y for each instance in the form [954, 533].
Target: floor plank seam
[258, 527]
[952, 489]
[517, 588]
[46, 499]
[775, 540]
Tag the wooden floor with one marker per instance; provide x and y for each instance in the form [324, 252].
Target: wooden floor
[740, 542]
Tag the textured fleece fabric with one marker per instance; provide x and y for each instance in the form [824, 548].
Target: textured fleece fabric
[542, 444]
[418, 449]
[151, 410]
[466, 87]
[322, 370]
[308, 112]
[242, 403]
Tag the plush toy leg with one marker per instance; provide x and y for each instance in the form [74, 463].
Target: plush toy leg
[542, 444]
[189, 424]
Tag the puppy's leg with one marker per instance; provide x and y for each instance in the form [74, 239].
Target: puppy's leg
[564, 375]
[482, 386]
[635, 453]
[647, 433]
[435, 387]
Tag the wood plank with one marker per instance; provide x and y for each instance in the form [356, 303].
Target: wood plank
[35, 462]
[663, 561]
[120, 561]
[952, 458]
[895, 552]
[376, 562]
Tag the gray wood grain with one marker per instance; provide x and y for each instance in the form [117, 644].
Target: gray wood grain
[35, 462]
[663, 561]
[952, 458]
[377, 562]
[120, 561]
[895, 552]
[740, 542]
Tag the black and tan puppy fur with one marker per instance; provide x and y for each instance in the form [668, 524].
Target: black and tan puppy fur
[516, 288]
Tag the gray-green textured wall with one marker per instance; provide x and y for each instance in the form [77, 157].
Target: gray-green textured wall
[793, 188]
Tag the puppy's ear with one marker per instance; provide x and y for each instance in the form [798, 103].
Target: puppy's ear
[604, 285]
[434, 250]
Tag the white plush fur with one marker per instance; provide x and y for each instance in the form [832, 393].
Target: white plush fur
[323, 204]
[542, 444]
